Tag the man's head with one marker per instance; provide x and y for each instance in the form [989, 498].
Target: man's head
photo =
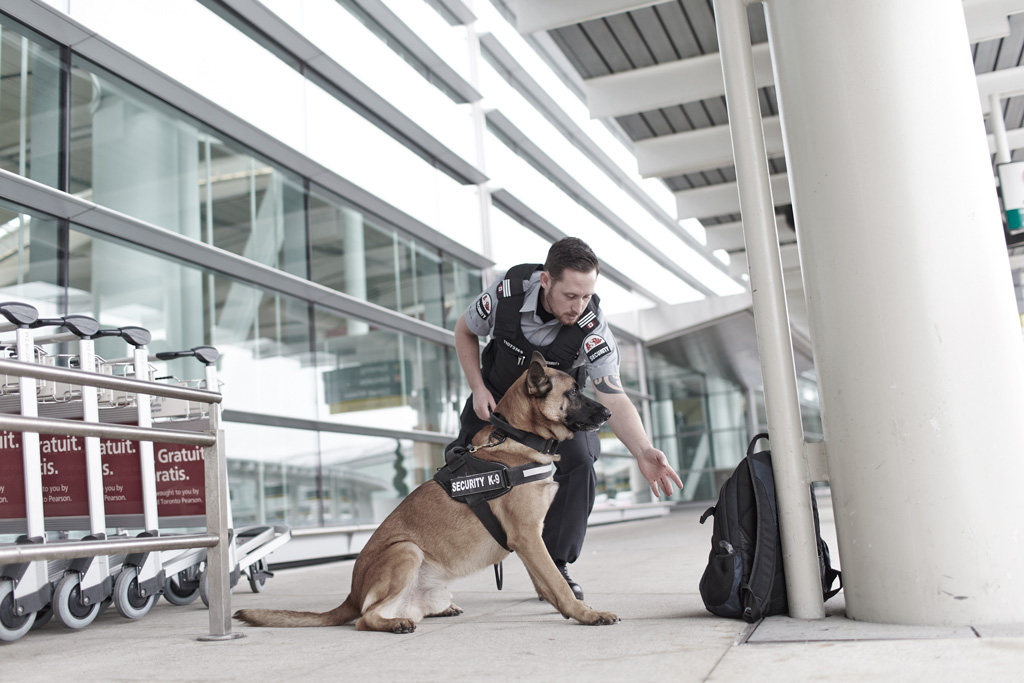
[569, 278]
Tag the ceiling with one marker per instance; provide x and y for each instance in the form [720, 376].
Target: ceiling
[652, 68]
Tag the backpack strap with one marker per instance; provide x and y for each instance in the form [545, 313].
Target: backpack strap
[762, 573]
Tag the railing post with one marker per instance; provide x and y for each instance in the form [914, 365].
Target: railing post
[218, 558]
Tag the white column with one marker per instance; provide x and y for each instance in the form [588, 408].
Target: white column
[355, 263]
[916, 341]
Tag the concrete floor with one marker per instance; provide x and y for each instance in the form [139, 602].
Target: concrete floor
[645, 571]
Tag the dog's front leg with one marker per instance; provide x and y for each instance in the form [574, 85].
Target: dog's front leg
[552, 587]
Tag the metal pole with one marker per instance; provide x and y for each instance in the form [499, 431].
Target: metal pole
[217, 557]
[775, 346]
[999, 128]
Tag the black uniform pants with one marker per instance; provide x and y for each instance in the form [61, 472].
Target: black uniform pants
[566, 523]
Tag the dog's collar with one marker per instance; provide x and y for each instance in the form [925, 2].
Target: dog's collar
[528, 439]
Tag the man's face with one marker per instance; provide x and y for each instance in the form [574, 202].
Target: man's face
[568, 297]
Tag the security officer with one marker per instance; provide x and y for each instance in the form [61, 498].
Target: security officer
[553, 309]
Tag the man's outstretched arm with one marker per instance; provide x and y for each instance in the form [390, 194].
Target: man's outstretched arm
[626, 424]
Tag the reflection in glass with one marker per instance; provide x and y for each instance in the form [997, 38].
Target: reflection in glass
[135, 154]
[30, 76]
[30, 260]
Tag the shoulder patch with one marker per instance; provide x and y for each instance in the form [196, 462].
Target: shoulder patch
[595, 346]
[483, 306]
[588, 321]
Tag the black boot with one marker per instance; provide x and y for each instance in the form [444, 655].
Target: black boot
[576, 590]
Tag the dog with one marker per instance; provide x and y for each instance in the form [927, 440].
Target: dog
[400, 576]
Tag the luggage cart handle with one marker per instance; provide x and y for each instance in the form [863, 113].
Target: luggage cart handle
[207, 355]
[81, 326]
[19, 314]
[136, 336]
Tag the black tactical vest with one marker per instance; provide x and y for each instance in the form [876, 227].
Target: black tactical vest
[507, 355]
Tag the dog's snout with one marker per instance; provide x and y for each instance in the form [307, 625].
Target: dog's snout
[605, 413]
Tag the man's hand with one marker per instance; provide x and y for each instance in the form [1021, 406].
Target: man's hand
[484, 405]
[658, 473]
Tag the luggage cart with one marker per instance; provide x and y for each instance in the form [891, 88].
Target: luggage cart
[23, 565]
[25, 589]
[251, 545]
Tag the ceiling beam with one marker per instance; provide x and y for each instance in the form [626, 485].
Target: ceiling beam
[729, 236]
[697, 150]
[543, 15]
[700, 78]
[724, 198]
[987, 19]
[668, 84]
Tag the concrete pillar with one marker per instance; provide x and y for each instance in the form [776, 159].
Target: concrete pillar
[355, 263]
[914, 328]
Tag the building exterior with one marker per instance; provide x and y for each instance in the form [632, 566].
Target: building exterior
[318, 189]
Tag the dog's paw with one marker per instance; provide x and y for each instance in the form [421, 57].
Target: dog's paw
[595, 618]
[403, 626]
[452, 611]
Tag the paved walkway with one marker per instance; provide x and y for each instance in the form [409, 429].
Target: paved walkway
[645, 571]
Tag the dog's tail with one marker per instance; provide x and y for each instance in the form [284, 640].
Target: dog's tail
[282, 618]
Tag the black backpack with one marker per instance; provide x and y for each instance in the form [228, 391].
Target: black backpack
[745, 578]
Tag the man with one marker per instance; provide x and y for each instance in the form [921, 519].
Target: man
[553, 309]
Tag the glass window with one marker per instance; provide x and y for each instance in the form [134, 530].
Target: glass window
[365, 477]
[374, 377]
[262, 337]
[354, 253]
[30, 260]
[460, 284]
[273, 475]
[30, 74]
[137, 155]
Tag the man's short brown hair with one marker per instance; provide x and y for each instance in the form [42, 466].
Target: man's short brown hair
[572, 253]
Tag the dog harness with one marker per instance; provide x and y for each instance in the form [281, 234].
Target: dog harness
[474, 481]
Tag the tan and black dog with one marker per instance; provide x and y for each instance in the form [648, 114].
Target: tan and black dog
[401, 575]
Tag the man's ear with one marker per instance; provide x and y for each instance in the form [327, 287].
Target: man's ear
[537, 382]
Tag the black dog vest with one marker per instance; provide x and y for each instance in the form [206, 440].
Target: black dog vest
[473, 481]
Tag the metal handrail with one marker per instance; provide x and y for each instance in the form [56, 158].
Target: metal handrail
[216, 538]
[69, 550]
[96, 379]
[54, 425]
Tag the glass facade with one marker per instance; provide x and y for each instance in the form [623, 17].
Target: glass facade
[280, 356]
[333, 413]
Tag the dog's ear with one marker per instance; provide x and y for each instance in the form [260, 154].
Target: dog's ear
[537, 382]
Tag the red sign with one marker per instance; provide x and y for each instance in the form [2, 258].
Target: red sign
[12, 477]
[180, 479]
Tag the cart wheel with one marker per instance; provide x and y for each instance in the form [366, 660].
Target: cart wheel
[67, 605]
[12, 626]
[43, 617]
[256, 585]
[128, 601]
[204, 587]
[182, 588]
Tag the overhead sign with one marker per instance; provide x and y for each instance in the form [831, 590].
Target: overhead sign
[366, 386]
